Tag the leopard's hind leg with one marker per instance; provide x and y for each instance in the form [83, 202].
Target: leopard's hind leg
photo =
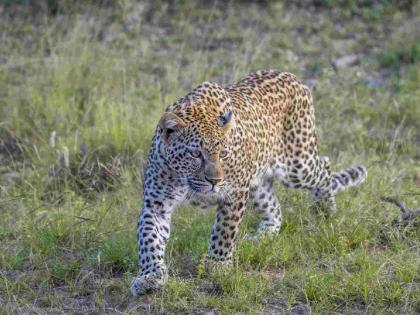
[321, 187]
[266, 203]
[313, 174]
[303, 167]
[331, 184]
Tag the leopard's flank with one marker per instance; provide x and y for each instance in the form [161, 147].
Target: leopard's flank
[227, 146]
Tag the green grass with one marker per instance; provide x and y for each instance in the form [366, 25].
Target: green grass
[91, 82]
[365, 9]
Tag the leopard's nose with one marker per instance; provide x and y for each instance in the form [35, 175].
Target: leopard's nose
[214, 181]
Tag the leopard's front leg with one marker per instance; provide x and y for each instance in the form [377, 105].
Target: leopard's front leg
[161, 195]
[153, 233]
[225, 230]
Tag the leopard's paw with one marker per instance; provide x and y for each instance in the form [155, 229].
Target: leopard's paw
[147, 283]
[212, 264]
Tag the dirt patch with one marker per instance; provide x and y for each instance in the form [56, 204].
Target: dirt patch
[184, 266]
[210, 287]
[275, 305]
[278, 305]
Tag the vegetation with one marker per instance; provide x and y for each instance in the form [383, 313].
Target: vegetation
[82, 87]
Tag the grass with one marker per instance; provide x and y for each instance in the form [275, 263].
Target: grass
[82, 89]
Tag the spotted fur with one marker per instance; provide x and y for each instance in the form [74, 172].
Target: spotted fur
[225, 145]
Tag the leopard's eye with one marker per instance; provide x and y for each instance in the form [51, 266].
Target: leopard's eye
[223, 154]
[195, 153]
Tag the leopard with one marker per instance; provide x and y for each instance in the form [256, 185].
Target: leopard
[227, 145]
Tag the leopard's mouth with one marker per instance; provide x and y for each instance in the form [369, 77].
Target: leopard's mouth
[202, 186]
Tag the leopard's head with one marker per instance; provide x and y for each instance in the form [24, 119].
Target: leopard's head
[195, 131]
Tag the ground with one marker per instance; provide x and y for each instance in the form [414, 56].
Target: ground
[82, 88]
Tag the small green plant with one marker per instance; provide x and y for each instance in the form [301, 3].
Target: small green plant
[405, 55]
[118, 253]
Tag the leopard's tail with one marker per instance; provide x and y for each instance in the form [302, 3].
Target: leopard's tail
[348, 177]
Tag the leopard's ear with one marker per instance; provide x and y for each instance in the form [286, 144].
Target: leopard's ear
[225, 119]
[170, 122]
